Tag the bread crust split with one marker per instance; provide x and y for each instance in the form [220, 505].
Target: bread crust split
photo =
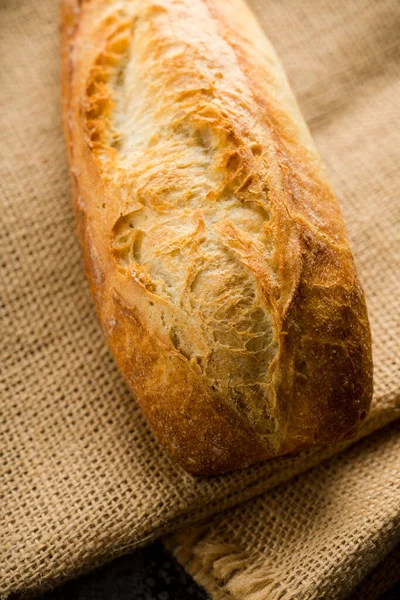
[213, 243]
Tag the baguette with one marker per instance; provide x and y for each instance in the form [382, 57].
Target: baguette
[213, 243]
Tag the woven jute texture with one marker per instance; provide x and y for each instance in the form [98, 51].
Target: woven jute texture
[379, 580]
[81, 477]
[316, 536]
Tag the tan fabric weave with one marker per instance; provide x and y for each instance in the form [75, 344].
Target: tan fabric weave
[380, 579]
[81, 477]
[313, 537]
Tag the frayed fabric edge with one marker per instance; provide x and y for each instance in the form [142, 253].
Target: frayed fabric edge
[225, 571]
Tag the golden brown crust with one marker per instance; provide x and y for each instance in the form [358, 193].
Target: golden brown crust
[213, 243]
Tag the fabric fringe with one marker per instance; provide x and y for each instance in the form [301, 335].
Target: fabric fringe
[226, 571]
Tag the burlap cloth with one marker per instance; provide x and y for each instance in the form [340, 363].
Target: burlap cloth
[313, 537]
[81, 477]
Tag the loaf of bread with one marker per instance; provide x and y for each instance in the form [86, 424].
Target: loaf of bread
[213, 243]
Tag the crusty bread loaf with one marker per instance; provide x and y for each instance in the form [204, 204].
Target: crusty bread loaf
[213, 243]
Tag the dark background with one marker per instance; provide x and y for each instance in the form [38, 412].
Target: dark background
[150, 573]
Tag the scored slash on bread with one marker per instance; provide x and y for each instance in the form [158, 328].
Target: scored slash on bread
[213, 243]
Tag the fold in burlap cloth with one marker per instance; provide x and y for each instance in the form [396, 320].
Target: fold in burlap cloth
[81, 477]
[313, 537]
